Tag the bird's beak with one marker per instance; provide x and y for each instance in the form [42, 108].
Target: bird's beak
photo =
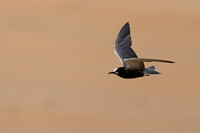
[111, 73]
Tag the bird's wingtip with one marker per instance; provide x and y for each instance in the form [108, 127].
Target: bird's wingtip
[127, 23]
[171, 61]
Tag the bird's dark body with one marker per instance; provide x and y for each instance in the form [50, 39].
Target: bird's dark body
[122, 72]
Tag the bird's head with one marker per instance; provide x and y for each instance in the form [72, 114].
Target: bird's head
[115, 71]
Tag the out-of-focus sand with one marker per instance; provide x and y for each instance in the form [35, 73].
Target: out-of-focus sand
[55, 55]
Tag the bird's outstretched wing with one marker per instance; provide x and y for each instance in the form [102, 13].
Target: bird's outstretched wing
[123, 44]
[137, 63]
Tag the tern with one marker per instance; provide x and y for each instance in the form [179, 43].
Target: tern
[133, 67]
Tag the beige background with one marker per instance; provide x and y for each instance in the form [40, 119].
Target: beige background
[55, 55]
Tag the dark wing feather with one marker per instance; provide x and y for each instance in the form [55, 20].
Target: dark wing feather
[123, 44]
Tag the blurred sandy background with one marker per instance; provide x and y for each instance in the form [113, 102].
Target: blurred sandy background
[55, 55]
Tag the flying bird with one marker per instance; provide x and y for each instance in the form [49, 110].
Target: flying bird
[133, 66]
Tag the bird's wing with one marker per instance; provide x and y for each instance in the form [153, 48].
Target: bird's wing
[148, 60]
[136, 63]
[123, 44]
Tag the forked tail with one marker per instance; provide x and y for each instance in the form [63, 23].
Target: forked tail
[150, 70]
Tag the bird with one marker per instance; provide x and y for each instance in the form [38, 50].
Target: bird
[132, 66]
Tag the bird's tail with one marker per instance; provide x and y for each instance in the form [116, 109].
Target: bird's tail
[150, 70]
